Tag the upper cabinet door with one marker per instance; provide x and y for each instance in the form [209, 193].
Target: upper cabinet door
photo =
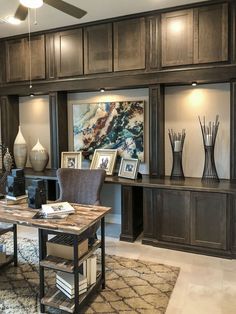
[69, 53]
[98, 49]
[15, 60]
[129, 44]
[177, 38]
[36, 58]
[154, 43]
[211, 33]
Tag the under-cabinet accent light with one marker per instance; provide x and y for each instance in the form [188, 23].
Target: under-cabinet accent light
[194, 83]
[31, 95]
[12, 20]
[32, 4]
[102, 90]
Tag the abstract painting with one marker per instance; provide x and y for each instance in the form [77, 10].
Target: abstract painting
[110, 125]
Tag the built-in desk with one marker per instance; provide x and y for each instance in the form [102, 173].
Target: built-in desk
[189, 215]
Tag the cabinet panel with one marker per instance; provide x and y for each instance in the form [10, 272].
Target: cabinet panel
[177, 38]
[149, 209]
[154, 41]
[50, 56]
[211, 33]
[98, 49]
[208, 219]
[129, 44]
[2, 63]
[173, 220]
[131, 213]
[37, 51]
[15, 60]
[69, 53]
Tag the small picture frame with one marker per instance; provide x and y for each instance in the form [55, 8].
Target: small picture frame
[104, 159]
[129, 168]
[71, 160]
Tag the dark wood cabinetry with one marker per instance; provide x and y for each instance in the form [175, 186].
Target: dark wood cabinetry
[211, 33]
[16, 60]
[173, 215]
[208, 220]
[129, 44]
[177, 38]
[69, 53]
[182, 219]
[149, 214]
[195, 36]
[98, 48]
[154, 43]
[25, 59]
[132, 212]
[36, 55]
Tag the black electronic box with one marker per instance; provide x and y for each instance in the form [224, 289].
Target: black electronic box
[16, 183]
[36, 194]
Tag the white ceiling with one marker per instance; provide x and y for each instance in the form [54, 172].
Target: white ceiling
[48, 17]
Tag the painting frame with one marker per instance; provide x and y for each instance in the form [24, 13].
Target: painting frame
[104, 159]
[129, 168]
[71, 160]
[110, 125]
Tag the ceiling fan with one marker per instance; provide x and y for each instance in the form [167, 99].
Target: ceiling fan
[22, 10]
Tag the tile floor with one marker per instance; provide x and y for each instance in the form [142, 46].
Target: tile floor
[206, 285]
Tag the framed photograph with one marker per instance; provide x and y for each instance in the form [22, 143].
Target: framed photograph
[71, 160]
[129, 168]
[104, 159]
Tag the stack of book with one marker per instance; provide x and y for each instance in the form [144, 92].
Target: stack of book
[2, 253]
[15, 200]
[65, 283]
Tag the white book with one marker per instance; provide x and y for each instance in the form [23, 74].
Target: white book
[57, 209]
[68, 294]
[16, 198]
[69, 290]
[68, 279]
[91, 270]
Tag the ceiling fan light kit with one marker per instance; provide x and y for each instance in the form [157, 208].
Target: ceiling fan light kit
[32, 4]
[65, 7]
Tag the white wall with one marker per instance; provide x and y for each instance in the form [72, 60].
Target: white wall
[111, 194]
[34, 121]
[183, 105]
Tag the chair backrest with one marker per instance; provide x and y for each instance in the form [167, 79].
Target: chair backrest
[81, 186]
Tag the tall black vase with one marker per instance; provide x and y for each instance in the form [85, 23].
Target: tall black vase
[177, 168]
[209, 172]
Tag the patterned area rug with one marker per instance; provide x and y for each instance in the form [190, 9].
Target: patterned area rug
[132, 286]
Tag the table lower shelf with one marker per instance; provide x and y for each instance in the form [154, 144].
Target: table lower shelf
[55, 298]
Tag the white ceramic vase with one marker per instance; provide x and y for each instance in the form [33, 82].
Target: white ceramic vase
[20, 150]
[38, 157]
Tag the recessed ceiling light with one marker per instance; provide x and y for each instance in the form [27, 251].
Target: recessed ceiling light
[32, 4]
[12, 20]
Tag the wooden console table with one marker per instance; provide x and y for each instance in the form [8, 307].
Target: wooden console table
[85, 217]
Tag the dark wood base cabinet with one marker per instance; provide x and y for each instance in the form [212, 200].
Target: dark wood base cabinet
[131, 213]
[187, 220]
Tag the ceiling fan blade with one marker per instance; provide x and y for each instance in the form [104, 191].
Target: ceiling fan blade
[66, 8]
[21, 13]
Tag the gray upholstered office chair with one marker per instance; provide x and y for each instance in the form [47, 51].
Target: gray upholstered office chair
[81, 186]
